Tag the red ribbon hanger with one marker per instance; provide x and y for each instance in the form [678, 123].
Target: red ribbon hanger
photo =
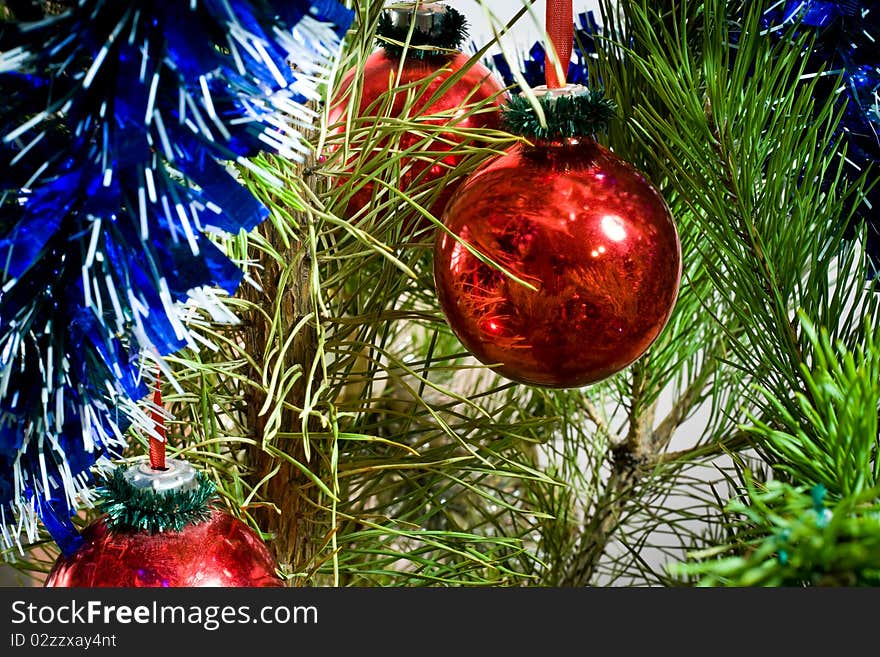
[157, 446]
[560, 28]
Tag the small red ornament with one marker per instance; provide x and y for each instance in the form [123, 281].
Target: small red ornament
[583, 227]
[383, 75]
[218, 550]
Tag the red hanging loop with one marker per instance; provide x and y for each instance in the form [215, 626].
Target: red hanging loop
[157, 447]
[560, 28]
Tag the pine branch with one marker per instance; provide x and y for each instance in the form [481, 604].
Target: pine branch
[627, 459]
[596, 418]
[604, 520]
[733, 443]
[722, 143]
[683, 406]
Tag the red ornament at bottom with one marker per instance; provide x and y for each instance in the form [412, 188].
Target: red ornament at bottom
[160, 530]
[222, 551]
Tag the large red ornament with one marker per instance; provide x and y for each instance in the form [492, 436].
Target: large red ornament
[221, 551]
[594, 238]
[386, 86]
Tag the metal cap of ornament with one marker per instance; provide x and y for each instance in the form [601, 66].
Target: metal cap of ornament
[176, 476]
[428, 17]
[429, 28]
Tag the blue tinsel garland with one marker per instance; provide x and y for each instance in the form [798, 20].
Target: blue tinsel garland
[115, 121]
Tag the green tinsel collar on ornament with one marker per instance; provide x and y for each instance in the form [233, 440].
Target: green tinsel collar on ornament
[143, 509]
[567, 116]
[448, 33]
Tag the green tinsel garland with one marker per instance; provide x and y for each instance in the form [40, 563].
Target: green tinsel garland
[580, 115]
[449, 34]
[128, 507]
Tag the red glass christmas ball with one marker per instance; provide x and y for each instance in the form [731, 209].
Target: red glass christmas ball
[594, 238]
[382, 74]
[221, 551]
